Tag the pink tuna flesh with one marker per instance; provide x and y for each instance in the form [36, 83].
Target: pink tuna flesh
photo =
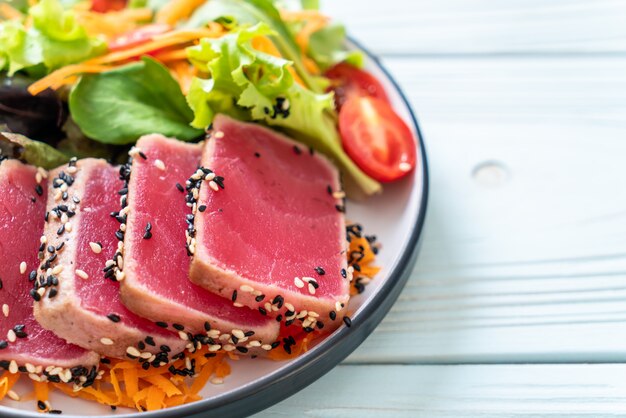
[156, 265]
[87, 309]
[22, 210]
[275, 228]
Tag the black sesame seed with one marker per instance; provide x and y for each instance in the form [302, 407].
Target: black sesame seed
[35, 295]
[275, 344]
[150, 341]
[262, 311]
[259, 298]
[243, 350]
[332, 315]
[31, 277]
[41, 405]
[347, 321]
[344, 274]
[141, 345]
[320, 271]
[147, 235]
[161, 324]
[119, 235]
[256, 154]
[3, 344]
[201, 208]
[207, 326]
[233, 298]
[178, 327]
[39, 190]
[58, 411]
[297, 150]
[165, 348]
[60, 246]
[279, 318]
[113, 317]
[61, 230]
[142, 155]
[53, 292]
[145, 366]
[180, 187]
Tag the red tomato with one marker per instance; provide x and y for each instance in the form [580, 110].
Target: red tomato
[376, 139]
[349, 80]
[103, 6]
[138, 36]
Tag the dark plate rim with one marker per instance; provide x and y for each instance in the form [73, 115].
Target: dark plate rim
[306, 369]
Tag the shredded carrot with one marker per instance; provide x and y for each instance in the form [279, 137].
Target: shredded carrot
[171, 55]
[177, 10]
[361, 254]
[113, 23]
[184, 73]
[265, 44]
[9, 12]
[56, 78]
[7, 380]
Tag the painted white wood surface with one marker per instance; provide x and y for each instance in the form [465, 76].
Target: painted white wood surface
[522, 104]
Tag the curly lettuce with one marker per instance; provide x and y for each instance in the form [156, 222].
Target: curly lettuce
[251, 85]
[54, 40]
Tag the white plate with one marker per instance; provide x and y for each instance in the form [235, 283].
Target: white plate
[396, 217]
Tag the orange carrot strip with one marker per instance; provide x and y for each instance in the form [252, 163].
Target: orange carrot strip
[164, 384]
[59, 75]
[176, 10]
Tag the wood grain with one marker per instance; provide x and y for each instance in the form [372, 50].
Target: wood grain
[426, 27]
[461, 391]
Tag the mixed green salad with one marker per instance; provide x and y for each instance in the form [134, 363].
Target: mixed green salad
[88, 78]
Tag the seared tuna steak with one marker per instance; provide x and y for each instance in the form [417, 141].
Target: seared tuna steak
[269, 229]
[23, 342]
[85, 307]
[156, 264]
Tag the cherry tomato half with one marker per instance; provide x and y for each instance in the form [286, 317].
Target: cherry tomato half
[103, 6]
[349, 80]
[376, 139]
[138, 36]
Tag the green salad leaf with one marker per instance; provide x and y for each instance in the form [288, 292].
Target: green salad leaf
[327, 47]
[54, 40]
[251, 85]
[250, 12]
[31, 151]
[118, 106]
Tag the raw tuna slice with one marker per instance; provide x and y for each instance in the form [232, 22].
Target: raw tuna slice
[156, 266]
[23, 341]
[273, 236]
[85, 307]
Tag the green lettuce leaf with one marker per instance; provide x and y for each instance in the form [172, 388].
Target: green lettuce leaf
[327, 47]
[251, 85]
[30, 151]
[251, 12]
[55, 39]
[118, 106]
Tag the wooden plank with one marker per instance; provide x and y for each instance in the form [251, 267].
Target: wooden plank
[526, 260]
[461, 391]
[485, 26]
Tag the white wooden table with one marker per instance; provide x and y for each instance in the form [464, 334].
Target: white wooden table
[517, 306]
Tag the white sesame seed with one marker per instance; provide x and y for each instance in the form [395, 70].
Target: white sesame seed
[11, 336]
[338, 306]
[299, 283]
[82, 274]
[35, 377]
[254, 343]
[42, 172]
[209, 176]
[218, 134]
[58, 195]
[68, 227]
[215, 347]
[64, 187]
[133, 351]
[217, 381]
[159, 164]
[213, 185]
[302, 314]
[311, 289]
[57, 269]
[106, 341]
[183, 335]
[289, 307]
[66, 376]
[404, 166]
[43, 239]
[339, 195]
[109, 263]
[64, 218]
[38, 177]
[146, 355]
[55, 371]
[72, 170]
[238, 305]
[23, 267]
[307, 322]
[30, 368]
[120, 275]
[238, 333]
[314, 314]
[11, 394]
[5, 310]
[229, 347]
[95, 247]
[224, 337]
[13, 368]
[268, 306]
[246, 288]
[266, 347]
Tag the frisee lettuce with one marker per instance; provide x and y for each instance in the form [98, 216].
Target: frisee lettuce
[251, 85]
[54, 40]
